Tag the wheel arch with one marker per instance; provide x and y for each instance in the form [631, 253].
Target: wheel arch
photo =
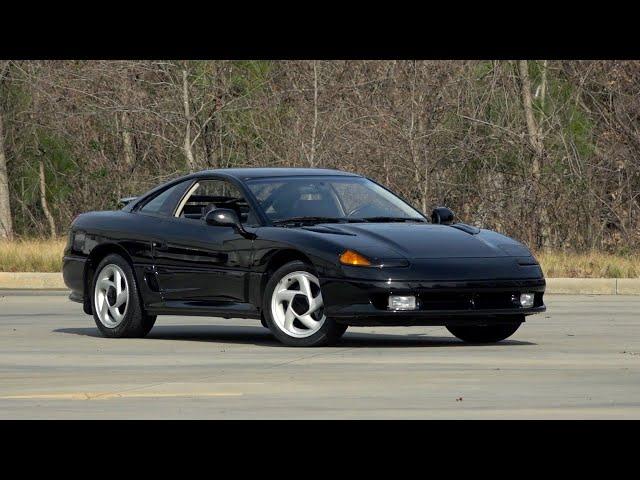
[284, 256]
[276, 260]
[95, 257]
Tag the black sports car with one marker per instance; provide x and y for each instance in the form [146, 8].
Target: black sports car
[307, 251]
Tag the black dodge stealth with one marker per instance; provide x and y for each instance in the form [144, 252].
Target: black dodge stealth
[306, 251]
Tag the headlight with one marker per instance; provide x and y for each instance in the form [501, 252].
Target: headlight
[78, 240]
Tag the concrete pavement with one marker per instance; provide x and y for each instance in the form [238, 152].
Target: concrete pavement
[579, 360]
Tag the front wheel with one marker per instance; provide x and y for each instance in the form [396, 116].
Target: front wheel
[294, 309]
[116, 305]
[484, 333]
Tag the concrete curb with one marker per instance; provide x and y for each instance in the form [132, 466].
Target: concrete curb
[628, 286]
[31, 281]
[594, 286]
[572, 286]
[582, 286]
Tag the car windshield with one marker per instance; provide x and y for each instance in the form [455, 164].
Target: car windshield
[329, 199]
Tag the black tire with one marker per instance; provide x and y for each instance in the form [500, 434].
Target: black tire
[484, 333]
[329, 332]
[136, 323]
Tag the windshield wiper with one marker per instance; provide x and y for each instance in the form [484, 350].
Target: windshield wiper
[307, 220]
[301, 220]
[392, 219]
[310, 220]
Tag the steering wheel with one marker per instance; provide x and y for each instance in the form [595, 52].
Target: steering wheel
[230, 201]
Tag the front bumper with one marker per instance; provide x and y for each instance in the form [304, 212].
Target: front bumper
[73, 268]
[362, 302]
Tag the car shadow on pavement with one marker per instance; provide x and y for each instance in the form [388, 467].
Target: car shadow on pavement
[261, 336]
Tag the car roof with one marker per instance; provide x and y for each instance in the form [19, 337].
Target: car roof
[248, 173]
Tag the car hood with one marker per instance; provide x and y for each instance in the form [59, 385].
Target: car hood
[422, 240]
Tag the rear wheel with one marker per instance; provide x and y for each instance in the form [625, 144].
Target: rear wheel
[294, 308]
[485, 333]
[116, 305]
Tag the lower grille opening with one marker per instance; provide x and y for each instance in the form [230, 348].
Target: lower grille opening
[468, 301]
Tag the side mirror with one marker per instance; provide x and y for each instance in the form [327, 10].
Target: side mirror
[442, 215]
[225, 217]
[222, 217]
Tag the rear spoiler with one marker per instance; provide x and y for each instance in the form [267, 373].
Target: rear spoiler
[126, 201]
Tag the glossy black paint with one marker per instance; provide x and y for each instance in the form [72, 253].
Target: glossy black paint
[188, 267]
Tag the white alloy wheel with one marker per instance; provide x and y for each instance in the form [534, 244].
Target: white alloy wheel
[111, 296]
[296, 305]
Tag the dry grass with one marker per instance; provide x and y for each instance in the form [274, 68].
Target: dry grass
[46, 256]
[32, 255]
[589, 265]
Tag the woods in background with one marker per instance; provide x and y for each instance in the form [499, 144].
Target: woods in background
[545, 151]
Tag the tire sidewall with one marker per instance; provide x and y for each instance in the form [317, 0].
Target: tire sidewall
[328, 333]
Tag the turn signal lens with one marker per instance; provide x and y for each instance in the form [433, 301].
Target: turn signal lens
[354, 258]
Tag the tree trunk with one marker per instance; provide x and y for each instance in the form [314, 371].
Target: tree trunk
[43, 201]
[209, 141]
[187, 115]
[6, 222]
[127, 140]
[535, 138]
[210, 135]
[543, 84]
[312, 156]
[426, 188]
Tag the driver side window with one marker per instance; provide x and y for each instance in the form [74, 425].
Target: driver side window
[205, 195]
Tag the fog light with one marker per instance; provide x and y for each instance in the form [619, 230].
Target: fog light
[526, 299]
[397, 302]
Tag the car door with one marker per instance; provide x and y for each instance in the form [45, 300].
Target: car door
[202, 263]
[148, 225]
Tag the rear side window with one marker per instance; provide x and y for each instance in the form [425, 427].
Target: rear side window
[165, 202]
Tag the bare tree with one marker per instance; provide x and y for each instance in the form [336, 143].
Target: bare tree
[6, 221]
[500, 142]
[314, 128]
[43, 200]
[535, 137]
[187, 115]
